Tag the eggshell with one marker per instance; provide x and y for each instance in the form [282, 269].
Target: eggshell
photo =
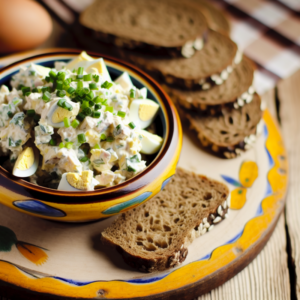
[24, 24]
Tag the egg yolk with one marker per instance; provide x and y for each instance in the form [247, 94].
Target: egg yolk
[25, 159]
[147, 111]
[59, 115]
[80, 182]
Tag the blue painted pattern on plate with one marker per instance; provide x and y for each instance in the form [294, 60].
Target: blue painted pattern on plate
[119, 207]
[37, 207]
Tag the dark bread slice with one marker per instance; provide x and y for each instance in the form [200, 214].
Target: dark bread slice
[216, 19]
[230, 133]
[155, 235]
[237, 88]
[218, 54]
[163, 27]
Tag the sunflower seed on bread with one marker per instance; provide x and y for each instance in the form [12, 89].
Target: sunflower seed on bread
[237, 86]
[163, 27]
[155, 235]
[230, 133]
[202, 71]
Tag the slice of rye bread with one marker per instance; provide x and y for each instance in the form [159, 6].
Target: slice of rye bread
[155, 235]
[207, 67]
[169, 27]
[216, 18]
[231, 133]
[235, 91]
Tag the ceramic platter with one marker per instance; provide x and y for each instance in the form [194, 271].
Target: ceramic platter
[42, 259]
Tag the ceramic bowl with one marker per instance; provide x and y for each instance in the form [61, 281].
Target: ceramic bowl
[88, 206]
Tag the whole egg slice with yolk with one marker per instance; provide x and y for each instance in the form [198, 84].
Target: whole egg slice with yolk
[142, 112]
[27, 163]
[75, 182]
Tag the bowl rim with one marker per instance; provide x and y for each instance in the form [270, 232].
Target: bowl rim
[170, 115]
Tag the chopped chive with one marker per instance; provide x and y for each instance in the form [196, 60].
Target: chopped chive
[109, 108]
[119, 127]
[36, 118]
[81, 138]
[69, 145]
[81, 116]
[67, 81]
[67, 106]
[90, 95]
[61, 102]
[103, 137]
[135, 159]
[45, 89]
[131, 125]
[98, 99]
[48, 79]
[96, 146]
[110, 139]
[30, 113]
[96, 114]
[79, 85]
[121, 114]
[130, 169]
[98, 106]
[107, 85]
[52, 74]
[46, 97]
[32, 72]
[87, 77]
[132, 93]
[27, 94]
[61, 76]
[75, 123]
[85, 90]
[10, 114]
[61, 145]
[35, 90]
[61, 93]
[59, 85]
[104, 102]
[87, 111]
[84, 159]
[80, 71]
[71, 90]
[93, 86]
[85, 104]
[52, 142]
[96, 78]
[67, 122]
[25, 89]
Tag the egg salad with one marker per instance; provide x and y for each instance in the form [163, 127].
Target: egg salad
[72, 128]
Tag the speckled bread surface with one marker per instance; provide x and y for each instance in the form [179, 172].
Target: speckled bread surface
[155, 235]
[237, 86]
[230, 133]
[216, 19]
[205, 68]
[157, 26]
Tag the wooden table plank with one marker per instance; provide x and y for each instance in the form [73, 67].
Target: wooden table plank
[267, 277]
[289, 96]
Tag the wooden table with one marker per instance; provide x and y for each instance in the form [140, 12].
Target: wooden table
[273, 273]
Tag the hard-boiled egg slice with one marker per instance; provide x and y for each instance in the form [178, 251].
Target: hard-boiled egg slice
[142, 112]
[89, 64]
[27, 163]
[124, 81]
[80, 59]
[76, 182]
[56, 114]
[43, 71]
[151, 143]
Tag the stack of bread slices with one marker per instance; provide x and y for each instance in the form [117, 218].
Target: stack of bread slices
[185, 45]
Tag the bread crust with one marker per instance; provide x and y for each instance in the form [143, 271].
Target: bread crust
[152, 256]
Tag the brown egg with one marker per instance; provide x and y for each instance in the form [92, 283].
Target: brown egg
[24, 24]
